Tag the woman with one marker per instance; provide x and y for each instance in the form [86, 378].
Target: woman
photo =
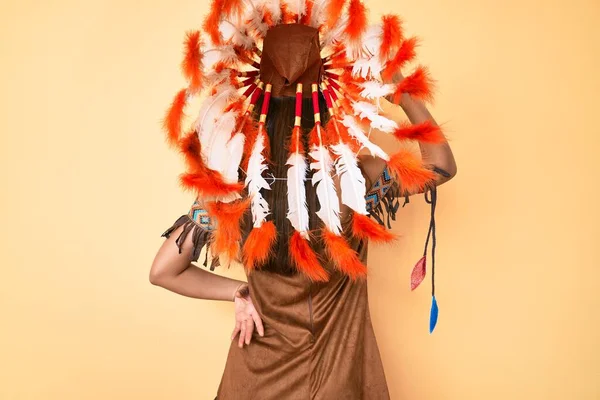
[305, 306]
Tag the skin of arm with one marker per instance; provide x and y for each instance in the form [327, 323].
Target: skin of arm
[173, 271]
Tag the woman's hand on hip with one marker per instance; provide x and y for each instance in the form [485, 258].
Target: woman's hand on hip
[246, 316]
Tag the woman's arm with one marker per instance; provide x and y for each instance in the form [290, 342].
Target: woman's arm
[174, 271]
[436, 154]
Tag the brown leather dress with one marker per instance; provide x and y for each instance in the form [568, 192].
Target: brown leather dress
[318, 344]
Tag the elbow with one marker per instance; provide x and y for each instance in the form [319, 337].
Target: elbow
[445, 172]
[157, 275]
[155, 278]
[452, 170]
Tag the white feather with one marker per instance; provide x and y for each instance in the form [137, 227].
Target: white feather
[352, 181]
[374, 89]
[211, 109]
[296, 6]
[371, 39]
[219, 54]
[214, 141]
[318, 15]
[297, 206]
[334, 33]
[235, 150]
[228, 198]
[363, 66]
[238, 36]
[329, 210]
[356, 132]
[275, 9]
[255, 182]
[367, 110]
[216, 78]
[255, 22]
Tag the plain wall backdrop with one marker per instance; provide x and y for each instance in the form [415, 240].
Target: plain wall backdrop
[88, 186]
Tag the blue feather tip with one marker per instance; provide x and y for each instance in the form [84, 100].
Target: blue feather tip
[433, 315]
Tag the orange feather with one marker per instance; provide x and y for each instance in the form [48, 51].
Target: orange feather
[305, 259]
[306, 17]
[336, 132]
[343, 256]
[364, 227]
[174, 117]
[232, 7]
[288, 17]
[313, 137]
[405, 54]
[296, 142]
[227, 236]
[212, 20]
[426, 132]
[339, 60]
[357, 23]
[190, 147]
[191, 65]
[333, 12]
[208, 183]
[392, 35]
[258, 246]
[250, 131]
[236, 106]
[418, 84]
[412, 176]
[268, 17]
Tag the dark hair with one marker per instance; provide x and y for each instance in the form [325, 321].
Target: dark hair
[279, 125]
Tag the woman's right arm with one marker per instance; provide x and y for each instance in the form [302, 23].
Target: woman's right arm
[174, 271]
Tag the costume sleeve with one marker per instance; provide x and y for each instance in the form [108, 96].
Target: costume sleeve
[382, 192]
[199, 224]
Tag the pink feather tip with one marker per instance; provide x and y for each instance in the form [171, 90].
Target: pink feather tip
[418, 273]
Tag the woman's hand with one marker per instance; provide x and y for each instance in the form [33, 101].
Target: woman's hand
[246, 316]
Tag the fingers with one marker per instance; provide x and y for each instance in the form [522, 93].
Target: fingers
[242, 334]
[249, 329]
[245, 328]
[235, 330]
[259, 324]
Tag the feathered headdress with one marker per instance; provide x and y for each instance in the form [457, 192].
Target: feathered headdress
[253, 48]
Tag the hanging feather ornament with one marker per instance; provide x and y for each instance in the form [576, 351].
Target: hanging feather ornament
[227, 235]
[302, 255]
[419, 271]
[259, 244]
[343, 256]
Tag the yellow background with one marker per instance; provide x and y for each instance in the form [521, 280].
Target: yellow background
[89, 185]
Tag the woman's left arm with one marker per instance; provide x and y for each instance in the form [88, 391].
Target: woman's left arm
[438, 155]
